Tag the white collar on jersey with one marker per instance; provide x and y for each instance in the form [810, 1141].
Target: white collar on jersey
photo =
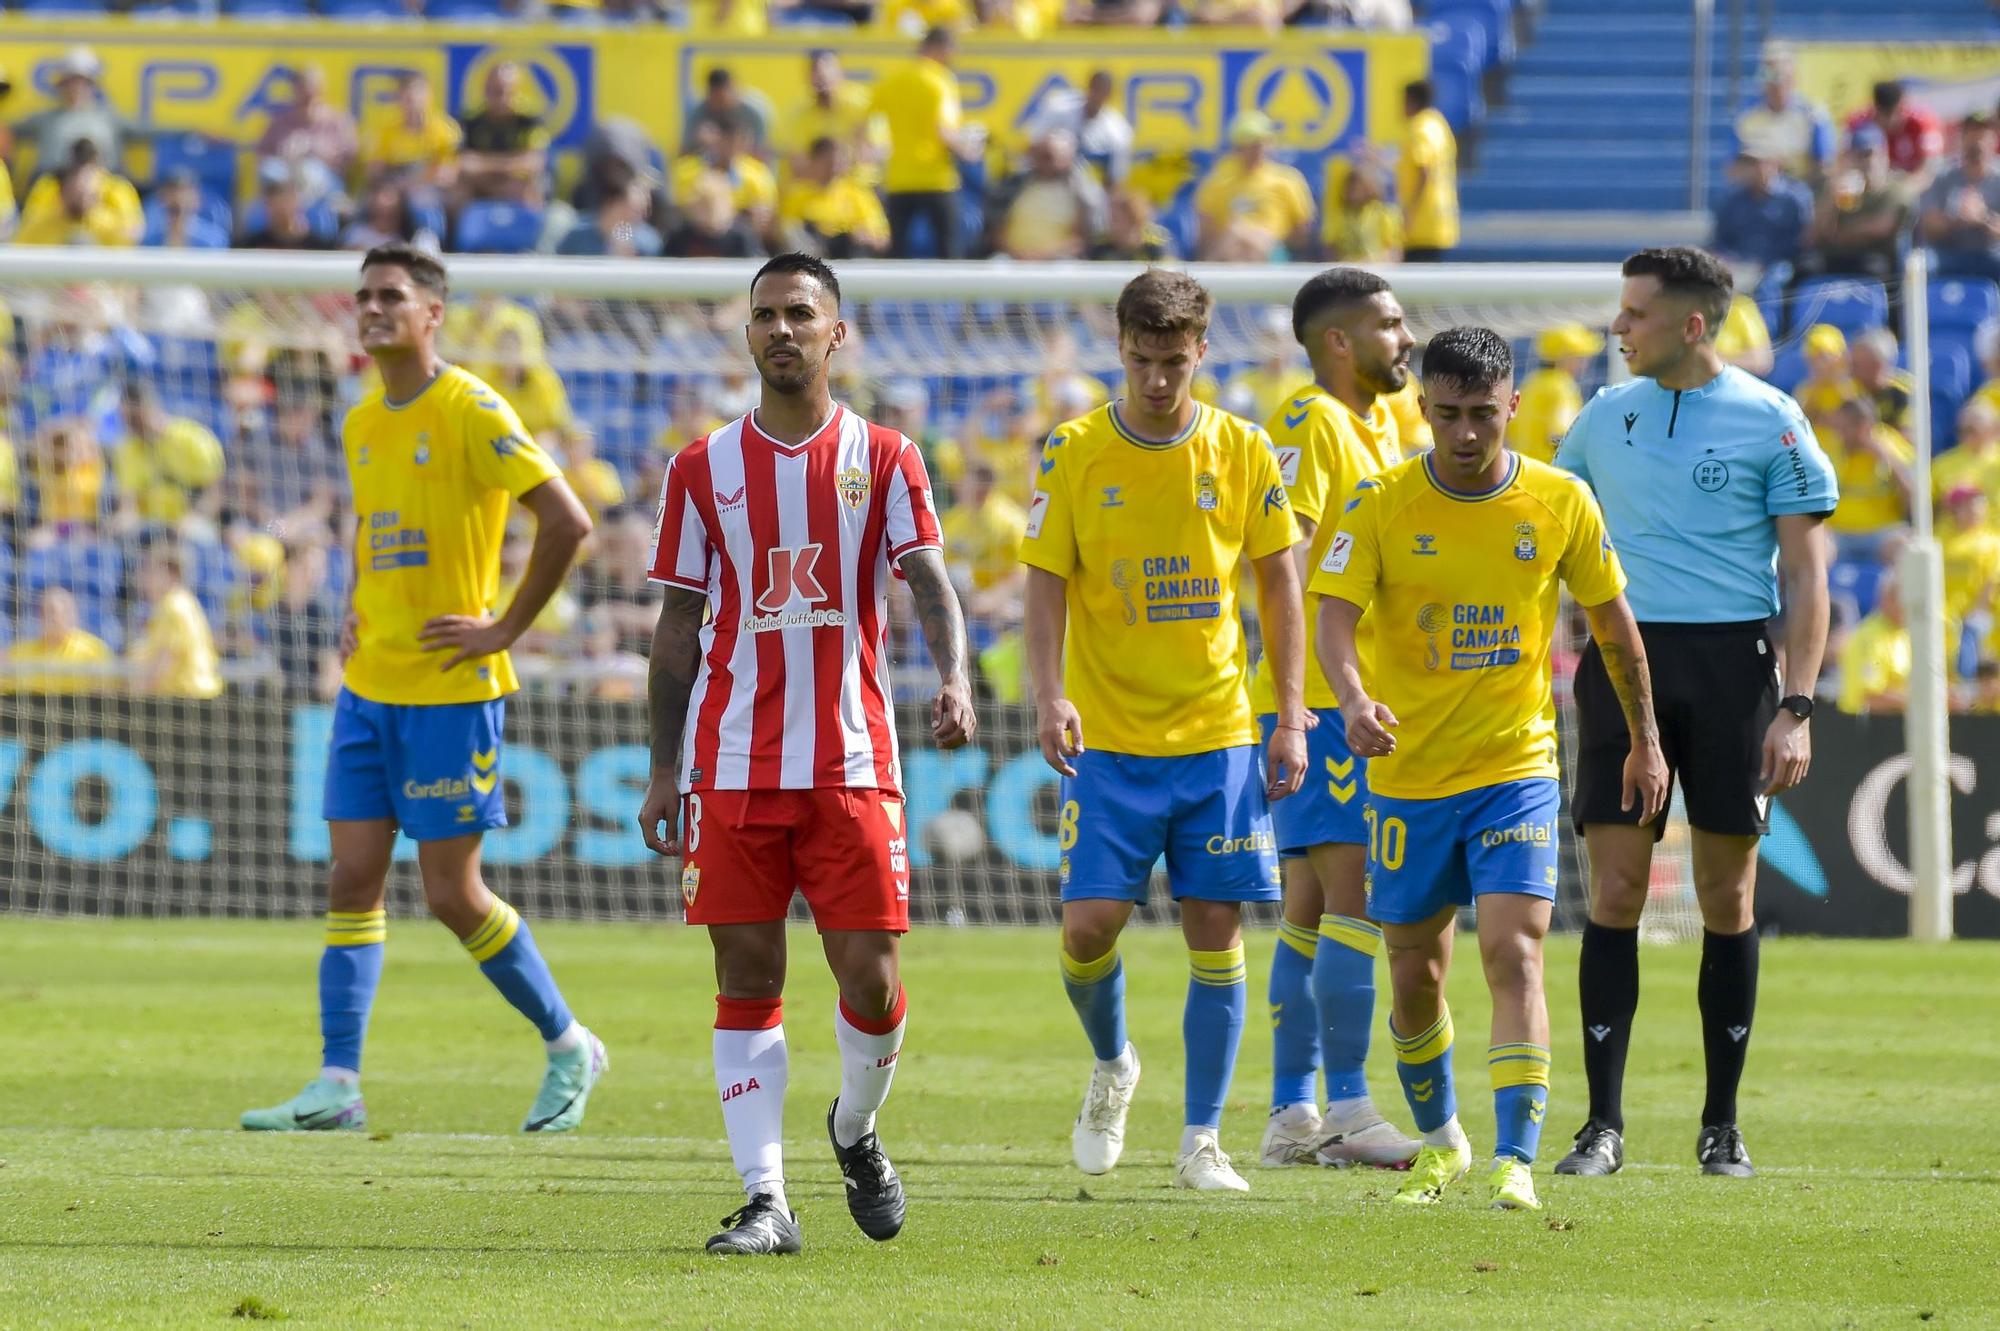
[750, 422]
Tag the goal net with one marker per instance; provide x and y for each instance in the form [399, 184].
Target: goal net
[173, 419]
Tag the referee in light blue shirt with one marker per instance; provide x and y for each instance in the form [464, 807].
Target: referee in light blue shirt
[1710, 481]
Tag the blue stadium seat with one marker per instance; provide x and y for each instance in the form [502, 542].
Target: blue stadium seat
[363, 9]
[209, 232]
[1853, 587]
[320, 217]
[464, 9]
[1455, 78]
[489, 226]
[1788, 366]
[59, 6]
[1495, 18]
[1962, 303]
[94, 573]
[212, 161]
[267, 8]
[1850, 304]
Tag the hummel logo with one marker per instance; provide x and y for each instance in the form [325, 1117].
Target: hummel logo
[1737, 1033]
[1598, 1033]
[1631, 419]
[1421, 1091]
[1293, 422]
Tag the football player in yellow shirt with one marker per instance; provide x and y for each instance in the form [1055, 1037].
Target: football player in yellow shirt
[1458, 557]
[1143, 512]
[919, 103]
[1332, 432]
[1427, 178]
[435, 457]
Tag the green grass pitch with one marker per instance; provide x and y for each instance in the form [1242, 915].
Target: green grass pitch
[127, 1197]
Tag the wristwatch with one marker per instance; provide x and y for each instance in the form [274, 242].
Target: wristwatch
[1799, 705]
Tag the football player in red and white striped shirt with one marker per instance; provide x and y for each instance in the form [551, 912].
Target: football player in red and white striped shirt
[773, 728]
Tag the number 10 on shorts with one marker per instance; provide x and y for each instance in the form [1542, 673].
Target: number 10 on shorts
[1387, 839]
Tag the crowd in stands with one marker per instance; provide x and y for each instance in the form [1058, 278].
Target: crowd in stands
[840, 168]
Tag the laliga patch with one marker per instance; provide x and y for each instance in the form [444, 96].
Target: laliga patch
[1338, 553]
[1038, 508]
[1288, 465]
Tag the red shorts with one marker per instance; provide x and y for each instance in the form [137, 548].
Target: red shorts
[748, 850]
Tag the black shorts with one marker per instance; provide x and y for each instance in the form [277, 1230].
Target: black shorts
[1715, 691]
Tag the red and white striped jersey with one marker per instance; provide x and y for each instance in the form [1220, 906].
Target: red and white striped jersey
[794, 546]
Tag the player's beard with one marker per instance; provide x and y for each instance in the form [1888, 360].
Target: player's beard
[1383, 378]
[798, 377]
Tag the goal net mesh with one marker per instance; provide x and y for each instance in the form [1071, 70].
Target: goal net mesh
[159, 416]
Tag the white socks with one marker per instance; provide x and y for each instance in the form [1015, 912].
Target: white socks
[345, 1076]
[1447, 1135]
[867, 1066]
[571, 1039]
[1194, 1130]
[751, 1068]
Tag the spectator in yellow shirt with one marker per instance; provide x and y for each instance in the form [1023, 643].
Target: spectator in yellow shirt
[161, 463]
[982, 541]
[81, 204]
[1550, 398]
[524, 378]
[1872, 464]
[1251, 207]
[1829, 381]
[1975, 459]
[836, 109]
[1744, 340]
[69, 475]
[919, 102]
[1986, 345]
[1360, 225]
[726, 152]
[415, 141]
[1875, 660]
[1427, 178]
[1054, 211]
[175, 656]
[828, 210]
[73, 660]
[10, 481]
[1971, 552]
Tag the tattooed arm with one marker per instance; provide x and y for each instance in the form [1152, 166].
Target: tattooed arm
[952, 721]
[669, 682]
[1617, 635]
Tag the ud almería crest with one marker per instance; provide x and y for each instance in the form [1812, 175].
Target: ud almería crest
[853, 484]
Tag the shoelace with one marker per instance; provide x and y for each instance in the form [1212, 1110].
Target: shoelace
[742, 1215]
[1103, 1111]
[1727, 1145]
[869, 1159]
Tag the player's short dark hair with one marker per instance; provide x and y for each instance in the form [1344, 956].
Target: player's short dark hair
[720, 78]
[424, 268]
[1329, 290]
[1164, 303]
[1469, 358]
[1421, 92]
[1888, 94]
[825, 143]
[809, 265]
[1697, 275]
[939, 38]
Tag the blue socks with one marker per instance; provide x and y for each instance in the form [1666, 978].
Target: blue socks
[350, 969]
[1295, 1016]
[1096, 990]
[1520, 1075]
[1211, 1029]
[1423, 1064]
[507, 956]
[1343, 985]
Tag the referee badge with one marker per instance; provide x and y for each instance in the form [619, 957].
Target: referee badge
[1525, 548]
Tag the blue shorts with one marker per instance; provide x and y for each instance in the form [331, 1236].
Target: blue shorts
[1426, 855]
[1205, 812]
[1327, 808]
[434, 768]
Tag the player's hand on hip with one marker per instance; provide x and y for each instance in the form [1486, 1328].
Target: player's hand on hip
[661, 807]
[1787, 753]
[1285, 762]
[1369, 727]
[953, 722]
[1060, 730]
[1645, 784]
[465, 637]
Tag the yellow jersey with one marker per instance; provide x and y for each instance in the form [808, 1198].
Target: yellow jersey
[1150, 536]
[849, 118]
[1966, 466]
[539, 399]
[391, 142]
[751, 184]
[1875, 660]
[68, 665]
[1270, 196]
[1324, 451]
[432, 478]
[1971, 568]
[1429, 222]
[10, 476]
[1406, 404]
[1870, 499]
[1743, 330]
[917, 101]
[116, 218]
[986, 539]
[1550, 401]
[1465, 594]
[841, 207]
[177, 635]
[1819, 399]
